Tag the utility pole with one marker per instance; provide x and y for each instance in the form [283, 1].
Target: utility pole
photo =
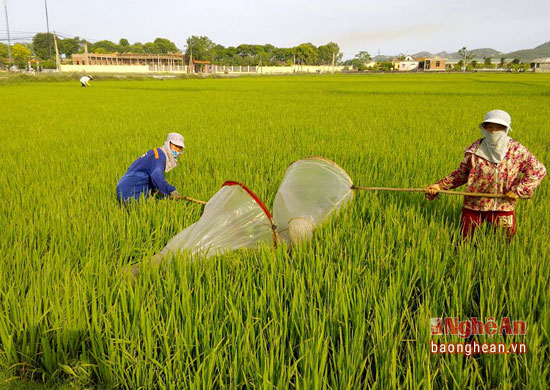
[86, 58]
[48, 28]
[57, 58]
[294, 64]
[333, 60]
[8, 28]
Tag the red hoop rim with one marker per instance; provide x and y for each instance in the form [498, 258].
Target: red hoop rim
[253, 195]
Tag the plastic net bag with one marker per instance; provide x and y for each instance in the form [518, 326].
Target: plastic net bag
[234, 218]
[311, 191]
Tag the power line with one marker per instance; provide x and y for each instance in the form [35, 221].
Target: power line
[27, 32]
[17, 34]
[15, 41]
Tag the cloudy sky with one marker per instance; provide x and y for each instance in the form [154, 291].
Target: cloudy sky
[388, 27]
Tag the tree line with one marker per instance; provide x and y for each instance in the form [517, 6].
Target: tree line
[200, 48]
[203, 48]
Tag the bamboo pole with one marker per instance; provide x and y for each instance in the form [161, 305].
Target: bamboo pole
[423, 190]
[188, 199]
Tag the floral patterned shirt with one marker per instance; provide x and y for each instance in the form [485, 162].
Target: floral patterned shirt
[519, 172]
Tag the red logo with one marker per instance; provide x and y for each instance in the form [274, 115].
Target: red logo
[436, 326]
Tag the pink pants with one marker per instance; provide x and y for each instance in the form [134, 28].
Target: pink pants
[471, 219]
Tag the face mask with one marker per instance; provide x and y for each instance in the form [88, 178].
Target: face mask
[494, 145]
[495, 138]
[175, 154]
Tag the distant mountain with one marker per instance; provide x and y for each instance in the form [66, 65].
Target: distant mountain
[442, 54]
[541, 51]
[478, 53]
[422, 54]
[381, 58]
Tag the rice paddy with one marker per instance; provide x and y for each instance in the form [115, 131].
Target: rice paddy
[350, 309]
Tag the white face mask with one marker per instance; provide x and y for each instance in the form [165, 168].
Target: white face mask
[494, 146]
[494, 138]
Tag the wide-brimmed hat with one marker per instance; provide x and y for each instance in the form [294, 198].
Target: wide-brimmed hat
[176, 139]
[497, 116]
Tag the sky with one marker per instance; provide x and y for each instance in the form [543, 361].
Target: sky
[385, 27]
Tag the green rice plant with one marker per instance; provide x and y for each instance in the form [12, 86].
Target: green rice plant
[350, 309]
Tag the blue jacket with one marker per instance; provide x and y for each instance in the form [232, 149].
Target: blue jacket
[144, 175]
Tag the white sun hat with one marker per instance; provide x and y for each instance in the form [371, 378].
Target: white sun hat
[497, 116]
[176, 139]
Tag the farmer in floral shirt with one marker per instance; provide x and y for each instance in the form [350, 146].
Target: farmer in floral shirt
[495, 164]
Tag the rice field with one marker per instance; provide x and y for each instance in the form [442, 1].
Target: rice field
[351, 309]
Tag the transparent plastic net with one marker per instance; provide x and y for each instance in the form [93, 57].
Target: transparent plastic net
[232, 219]
[311, 191]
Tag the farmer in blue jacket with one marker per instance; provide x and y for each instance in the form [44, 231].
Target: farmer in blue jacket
[146, 174]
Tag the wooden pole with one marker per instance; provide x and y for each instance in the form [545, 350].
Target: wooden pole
[48, 30]
[86, 58]
[188, 199]
[461, 193]
[57, 58]
[8, 30]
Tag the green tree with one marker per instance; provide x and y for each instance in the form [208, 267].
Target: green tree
[4, 53]
[200, 47]
[267, 54]
[487, 62]
[360, 60]
[136, 48]
[150, 48]
[104, 46]
[124, 45]
[466, 56]
[251, 54]
[327, 51]
[20, 55]
[230, 56]
[502, 62]
[517, 66]
[217, 55]
[306, 53]
[283, 56]
[69, 46]
[43, 45]
[83, 43]
[165, 46]
[386, 66]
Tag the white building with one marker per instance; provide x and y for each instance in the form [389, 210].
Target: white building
[541, 65]
[406, 65]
